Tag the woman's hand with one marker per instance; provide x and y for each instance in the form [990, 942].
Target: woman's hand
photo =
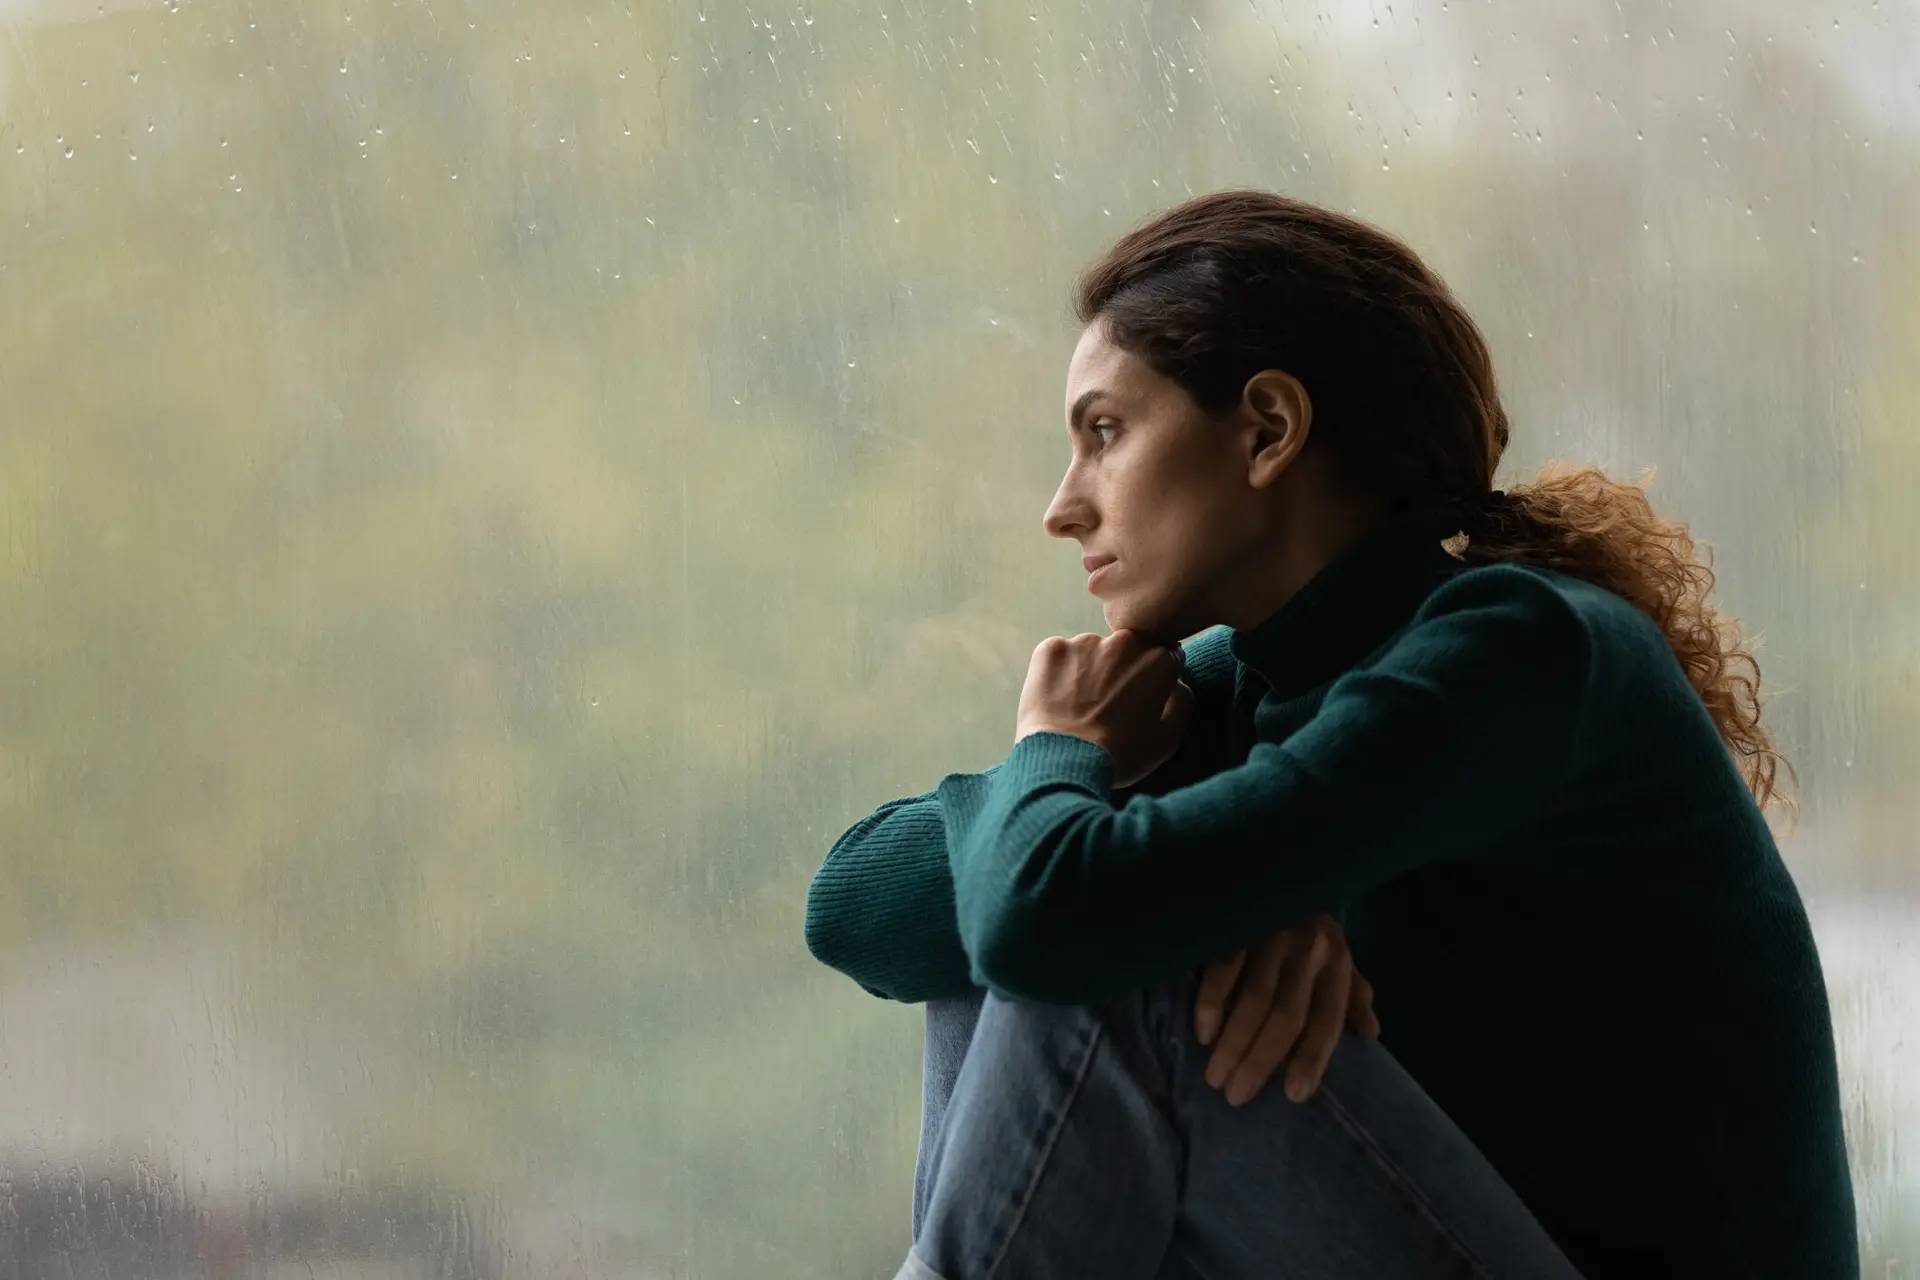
[1290, 997]
[1119, 692]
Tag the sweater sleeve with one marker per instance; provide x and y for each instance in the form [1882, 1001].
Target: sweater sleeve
[1446, 741]
[881, 907]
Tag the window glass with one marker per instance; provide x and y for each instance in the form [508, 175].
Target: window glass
[489, 491]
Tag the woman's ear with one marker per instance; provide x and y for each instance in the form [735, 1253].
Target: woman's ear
[1279, 416]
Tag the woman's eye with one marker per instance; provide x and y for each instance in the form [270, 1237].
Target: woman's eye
[1106, 431]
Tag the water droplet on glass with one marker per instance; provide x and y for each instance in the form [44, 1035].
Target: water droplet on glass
[149, 126]
[134, 76]
[343, 66]
[626, 128]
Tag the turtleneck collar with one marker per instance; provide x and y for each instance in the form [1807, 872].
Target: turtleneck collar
[1362, 596]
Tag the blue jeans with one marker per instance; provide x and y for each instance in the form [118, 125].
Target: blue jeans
[1085, 1144]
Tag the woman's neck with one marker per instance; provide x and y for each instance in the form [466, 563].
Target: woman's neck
[1314, 528]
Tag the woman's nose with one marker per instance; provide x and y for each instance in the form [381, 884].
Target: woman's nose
[1068, 515]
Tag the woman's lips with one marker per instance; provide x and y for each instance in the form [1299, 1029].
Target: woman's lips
[1096, 567]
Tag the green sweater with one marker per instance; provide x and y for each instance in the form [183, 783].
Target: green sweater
[1582, 939]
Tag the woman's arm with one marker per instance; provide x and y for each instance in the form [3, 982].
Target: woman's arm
[1446, 742]
[881, 907]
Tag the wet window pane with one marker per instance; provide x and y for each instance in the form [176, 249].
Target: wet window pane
[489, 491]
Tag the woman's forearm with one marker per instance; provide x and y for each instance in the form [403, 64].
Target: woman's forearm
[1068, 891]
[881, 907]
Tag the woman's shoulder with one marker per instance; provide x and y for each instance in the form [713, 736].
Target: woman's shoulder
[1534, 606]
[1210, 664]
[1546, 594]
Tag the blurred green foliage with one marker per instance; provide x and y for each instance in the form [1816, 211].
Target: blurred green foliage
[491, 490]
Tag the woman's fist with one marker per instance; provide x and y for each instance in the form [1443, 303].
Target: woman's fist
[1119, 692]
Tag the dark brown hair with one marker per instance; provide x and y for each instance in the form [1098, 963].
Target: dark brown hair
[1223, 286]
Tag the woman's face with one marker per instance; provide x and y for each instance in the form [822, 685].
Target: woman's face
[1160, 495]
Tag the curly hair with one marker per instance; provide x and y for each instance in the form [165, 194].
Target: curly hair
[1214, 290]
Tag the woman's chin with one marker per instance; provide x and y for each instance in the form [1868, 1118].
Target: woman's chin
[1150, 622]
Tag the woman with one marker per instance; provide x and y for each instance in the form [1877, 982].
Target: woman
[1502, 735]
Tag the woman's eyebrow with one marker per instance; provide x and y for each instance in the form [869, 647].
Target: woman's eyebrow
[1079, 410]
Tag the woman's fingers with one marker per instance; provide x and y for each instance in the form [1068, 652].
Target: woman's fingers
[1285, 1003]
[1361, 1019]
[1279, 1034]
[1321, 1036]
[1177, 714]
[1216, 984]
[1259, 982]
